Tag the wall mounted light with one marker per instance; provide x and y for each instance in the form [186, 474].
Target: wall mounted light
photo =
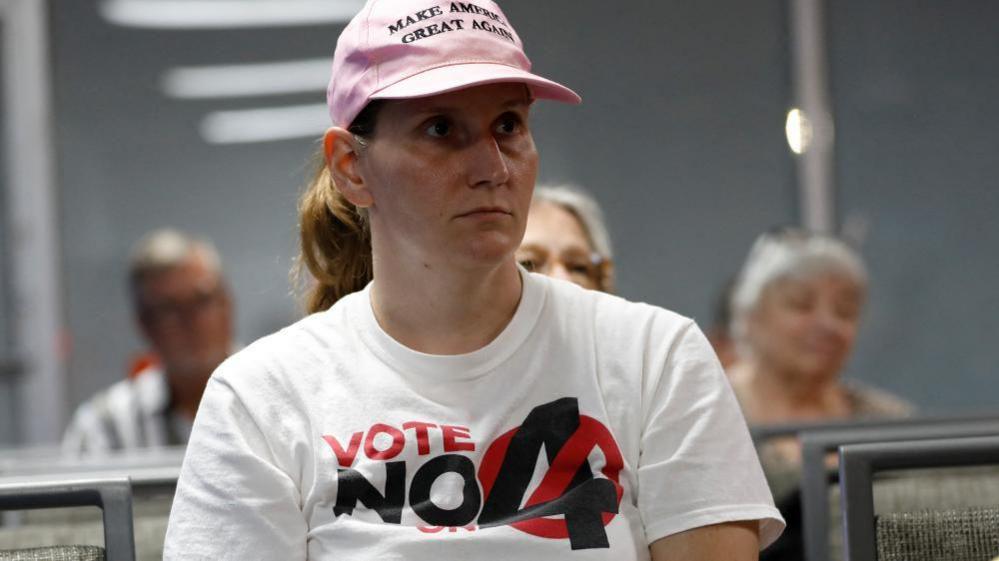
[798, 129]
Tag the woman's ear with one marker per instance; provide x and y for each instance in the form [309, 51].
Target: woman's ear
[342, 151]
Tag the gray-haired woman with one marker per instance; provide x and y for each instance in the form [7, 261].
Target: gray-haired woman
[567, 238]
[796, 307]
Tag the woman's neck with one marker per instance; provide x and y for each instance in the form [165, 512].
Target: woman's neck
[445, 311]
[771, 395]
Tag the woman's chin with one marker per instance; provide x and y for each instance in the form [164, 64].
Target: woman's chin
[820, 371]
[490, 248]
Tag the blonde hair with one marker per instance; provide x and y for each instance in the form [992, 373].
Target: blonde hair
[335, 243]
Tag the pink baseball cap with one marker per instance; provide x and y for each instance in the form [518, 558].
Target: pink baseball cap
[396, 49]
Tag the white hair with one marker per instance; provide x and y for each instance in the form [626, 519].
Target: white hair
[165, 249]
[788, 253]
[585, 208]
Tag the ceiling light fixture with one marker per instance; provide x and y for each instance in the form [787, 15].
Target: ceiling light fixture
[265, 124]
[246, 80]
[227, 14]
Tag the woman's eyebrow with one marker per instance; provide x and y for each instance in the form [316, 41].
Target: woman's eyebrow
[432, 110]
[445, 109]
[519, 102]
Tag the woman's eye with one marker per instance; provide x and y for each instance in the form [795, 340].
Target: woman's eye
[438, 128]
[798, 301]
[508, 124]
[801, 304]
[529, 264]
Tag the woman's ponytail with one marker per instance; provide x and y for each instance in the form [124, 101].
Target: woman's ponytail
[335, 243]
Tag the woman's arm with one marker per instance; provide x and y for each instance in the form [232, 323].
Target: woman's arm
[731, 541]
[236, 497]
[699, 475]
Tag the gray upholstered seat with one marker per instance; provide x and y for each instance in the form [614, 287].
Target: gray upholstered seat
[149, 535]
[952, 535]
[56, 553]
[817, 444]
[935, 532]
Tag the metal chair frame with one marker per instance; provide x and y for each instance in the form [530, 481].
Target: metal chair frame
[859, 462]
[816, 444]
[112, 495]
[762, 433]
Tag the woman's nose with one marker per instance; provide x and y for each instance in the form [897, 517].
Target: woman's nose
[488, 165]
[832, 321]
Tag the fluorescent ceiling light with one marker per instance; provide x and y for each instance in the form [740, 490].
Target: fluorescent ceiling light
[242, 80]
[265, 124]
[227, 14]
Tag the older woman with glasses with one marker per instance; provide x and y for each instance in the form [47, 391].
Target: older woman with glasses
[567, 238]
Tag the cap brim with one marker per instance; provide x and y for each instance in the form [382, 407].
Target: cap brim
[453, 77]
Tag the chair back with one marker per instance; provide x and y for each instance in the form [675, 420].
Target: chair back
[112, 495]
[55, 553]
[817, 444]
[951, 535]
[970, 534]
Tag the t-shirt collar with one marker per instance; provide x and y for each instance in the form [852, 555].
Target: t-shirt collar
[449, 367]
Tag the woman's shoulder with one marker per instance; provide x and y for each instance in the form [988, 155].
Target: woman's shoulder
[307, 344]
[619, 322]
[615, 312]
[868, 401]
[572, 297]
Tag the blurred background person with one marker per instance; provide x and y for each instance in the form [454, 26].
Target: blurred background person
[796, 306]
[183, 308]
[567, 238]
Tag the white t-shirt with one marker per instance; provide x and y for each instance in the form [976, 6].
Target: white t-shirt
[589, 428]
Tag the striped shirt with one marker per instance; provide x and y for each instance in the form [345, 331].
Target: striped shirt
[132, 413]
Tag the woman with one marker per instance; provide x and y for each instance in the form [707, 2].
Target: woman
[795, 313]
[566, 238]
[442, 403]
[796, 308]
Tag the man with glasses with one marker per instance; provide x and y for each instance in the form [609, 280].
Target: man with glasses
[183, 308]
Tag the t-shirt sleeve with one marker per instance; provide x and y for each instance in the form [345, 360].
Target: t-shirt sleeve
[233, 499]
[697, 464]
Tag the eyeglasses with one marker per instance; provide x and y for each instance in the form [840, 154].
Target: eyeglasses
[174, 311]
[579, 264]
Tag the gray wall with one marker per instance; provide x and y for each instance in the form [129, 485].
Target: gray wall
[132, 160]
[916, 94]
[680, 133]
[680, 136]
